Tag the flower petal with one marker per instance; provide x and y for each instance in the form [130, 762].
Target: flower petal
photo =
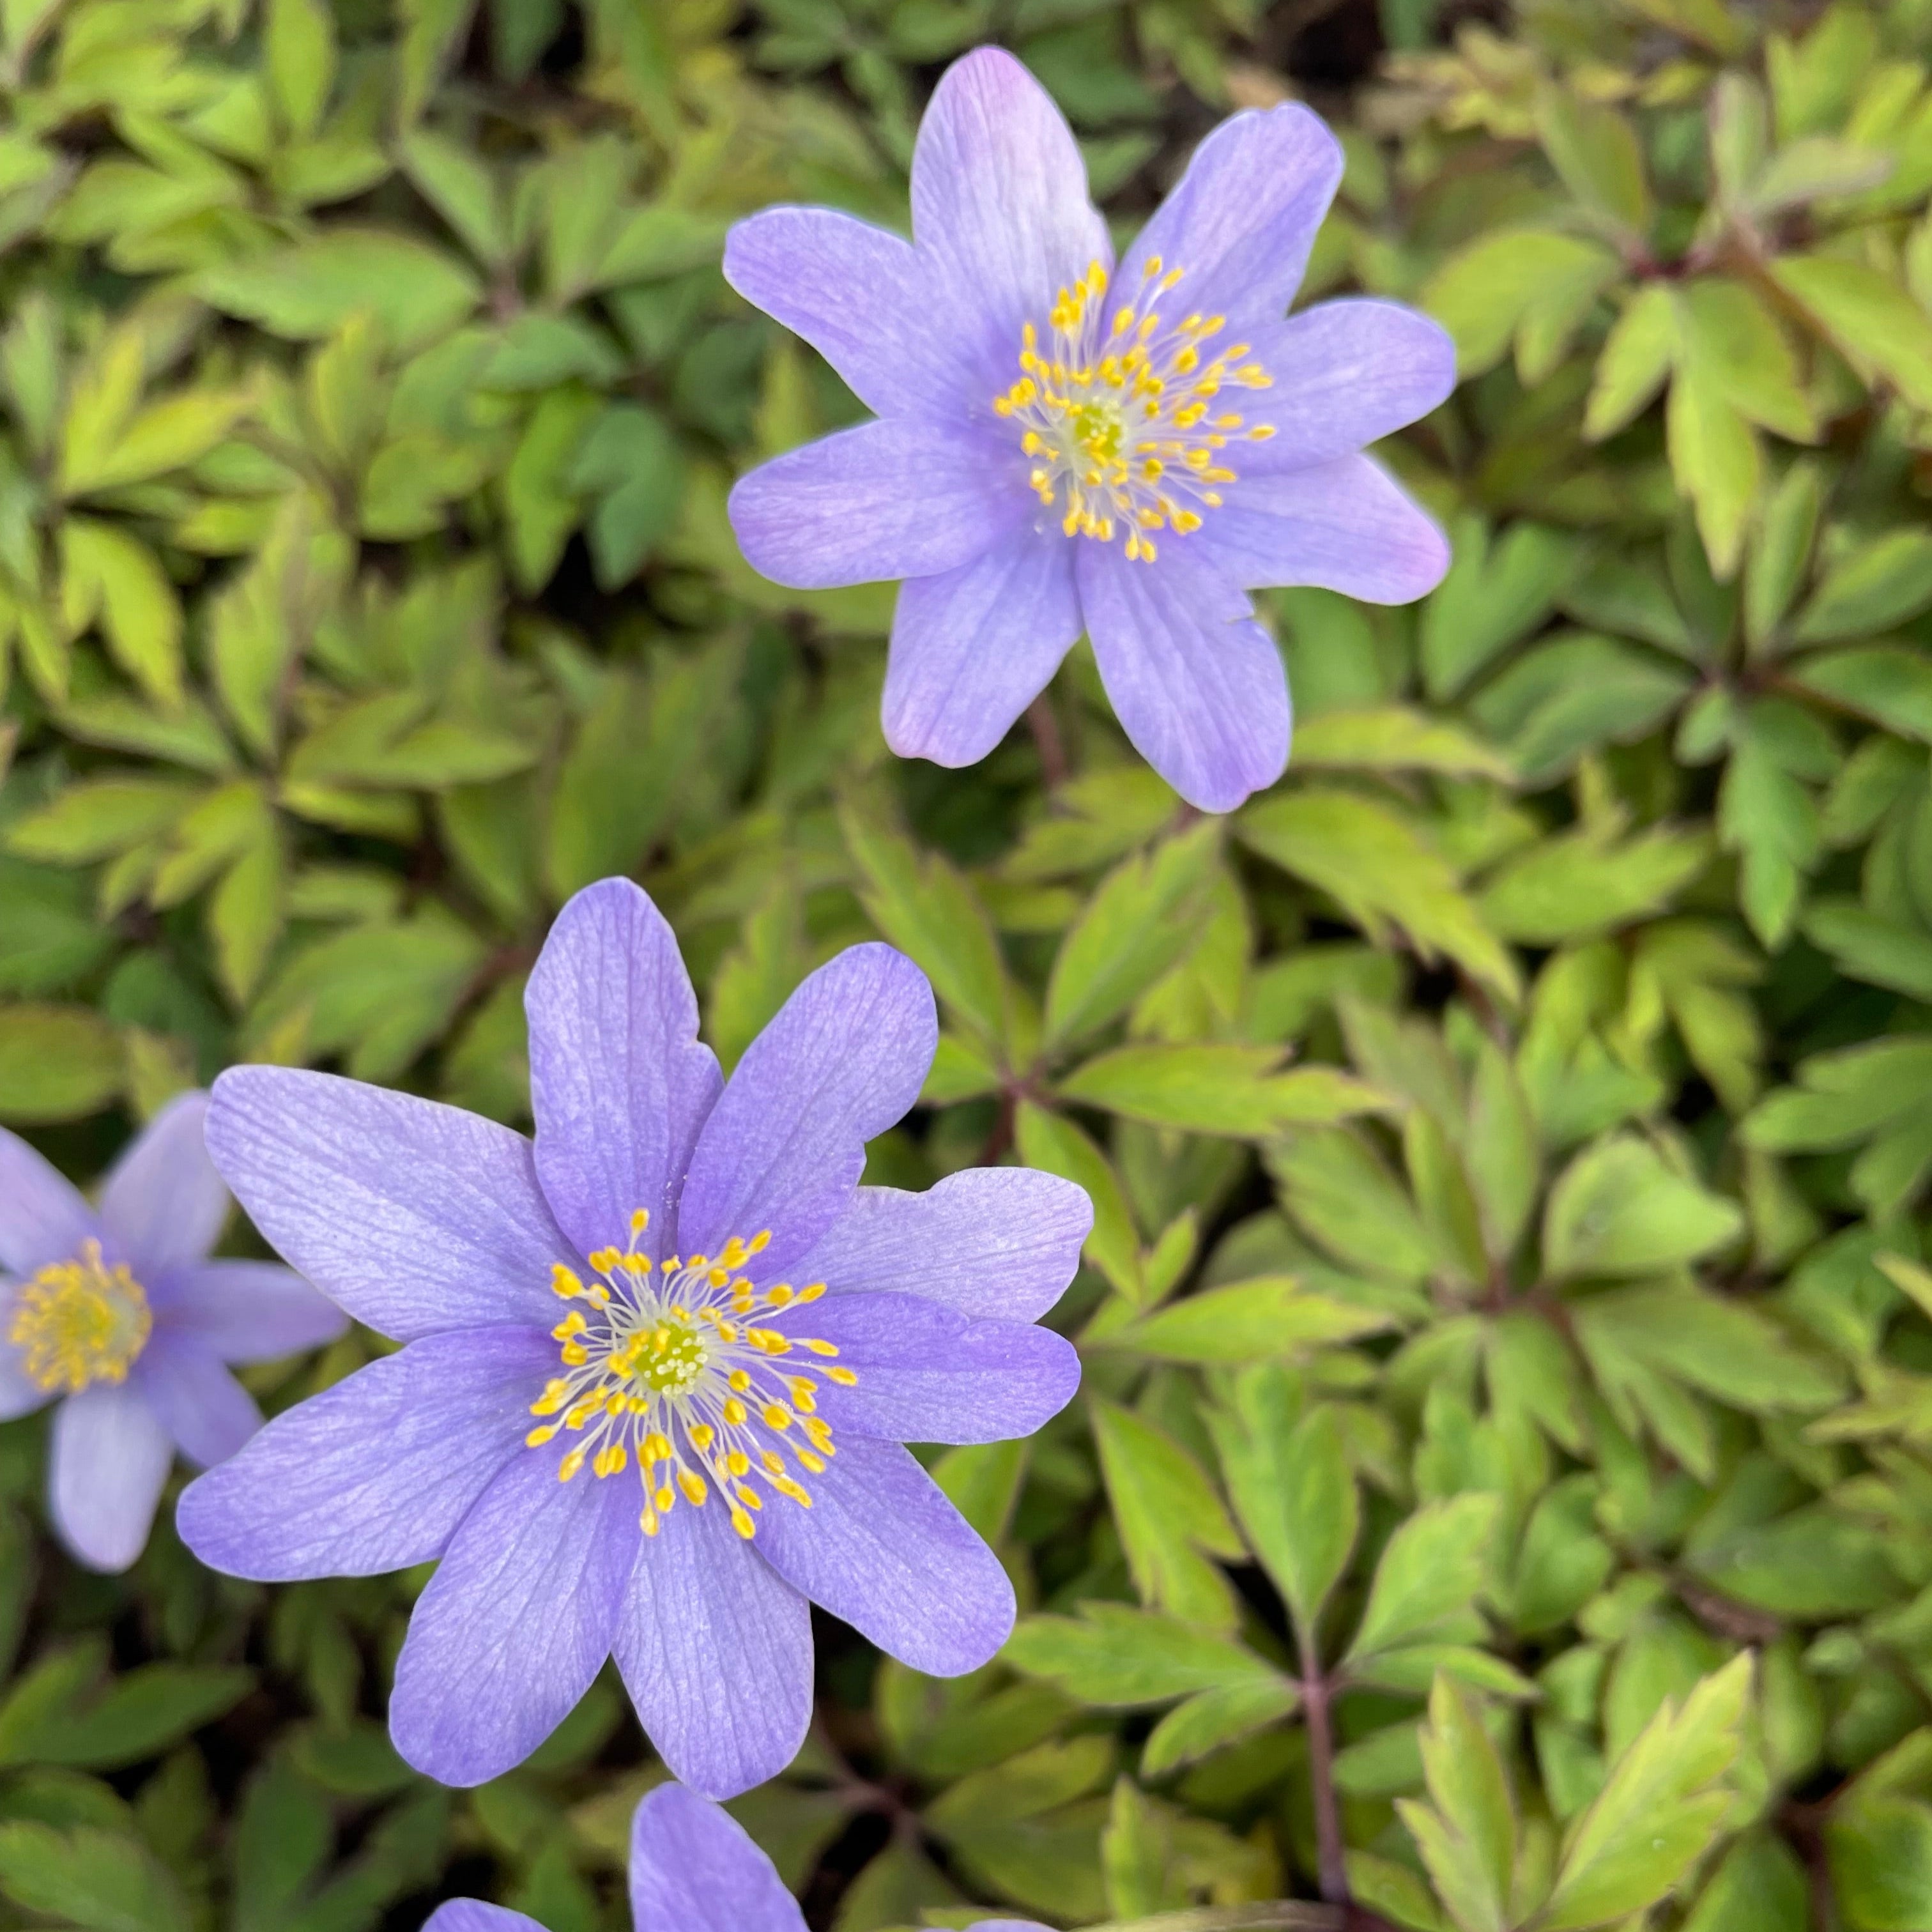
[1197, 684]
[843, 1060]
[882, 1548]
[163, 1204]
[246, 1311]
[900, 498]
[987, 1240]
[375, 1473]
[515, 1624]
[973, 647]
[42, 1217]
[702, 1604]
[416, 1217]
[694, 1868]
[1344, 526]
[209, 1413]
[19, 1394]
[1000, 210]
[472, 1915]
[1344, 376]
[928, 1374]
[1240, 222]
[110, 1457]
[862, 298]
[618, 1078]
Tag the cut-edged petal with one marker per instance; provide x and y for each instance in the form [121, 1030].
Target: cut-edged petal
[207, 1412]
[42, 1217]
[904, 497]
[416, 1217]
[1240, 222]
[472, 1915]
[109, 1457]
[1344, 375]
[618, 1080]
[515, 1624]
[694, 1868]
[843, 1059]
[716, 1650]
[19, 1394]
[163, 1205]
[862, 298]
[972, 647]
[928, 1373]
[375, 1473]
[246, 1311]
[987, 1240]
[1346, 526]
[881, 1547]
[1000, 210]
[1196, 681]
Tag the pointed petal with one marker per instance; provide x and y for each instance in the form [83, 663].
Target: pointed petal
[700, 1597]
[110, 1457]
[1344, 375]
[987, 1240]
[1241, 222]
[901, 498]
[1344, 526]
[375, 1473]
[694, 1868]
[784, 1148]
[42, 1217]
[1196, 682]
[246, 1311]
[862, 298]
[973, 647]
[472, 1915]
[206, 1411]
[618, 1081]
[928, 1374]
[515, 1624]
[882, 1548]
[163, 1205]
[417, 1218]
[1000, 210]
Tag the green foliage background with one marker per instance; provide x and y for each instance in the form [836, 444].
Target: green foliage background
[1502, 1487]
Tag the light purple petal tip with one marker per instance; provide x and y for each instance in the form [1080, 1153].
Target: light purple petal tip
[246, 1311]
[987, 1240]
[883, 1548]
[515, 1623]
[694, 1868]
[971, 648]
[1196, 681]
[618, 1081]
[20, 1395]
[416, 1217]
[206, 1411]
[698, 1595]
[109, 1457]
[42, 1217]
[375, 1473]
[904, 497]
[784, 1148]
[472, 1915]
[163, 1205]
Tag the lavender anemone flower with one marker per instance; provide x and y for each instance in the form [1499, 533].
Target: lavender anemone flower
[693, 1869]
[1063, 445]
[119, 1316]
[659, 1366]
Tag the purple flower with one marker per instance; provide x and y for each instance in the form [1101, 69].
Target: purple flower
[1066, 445]
[659, 1365]
[693, 1869]
[119, 1315]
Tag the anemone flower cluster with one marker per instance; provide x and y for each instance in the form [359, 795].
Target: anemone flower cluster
[1067, 444]
[117, 1315]
[693, 1869]
[658, 1365]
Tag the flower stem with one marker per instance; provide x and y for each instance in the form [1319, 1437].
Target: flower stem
[1047, 741]
[1331, 1857]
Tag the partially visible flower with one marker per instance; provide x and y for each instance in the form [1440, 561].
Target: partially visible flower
[1066, 446]
[117, 1315]
[659, 1365]
[693, 1869]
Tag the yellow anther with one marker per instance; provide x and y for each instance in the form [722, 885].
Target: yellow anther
[845, 1377]
[807, 1460]
[739, 1379]
[797, 1492]
[664, 1496]
[648, 1523]
[743, 1523]
[778, 1296]
[775, 1417]
[735, 1413]
[773, 1462]
[564, 1282]
[738, 1462]
[693, 1485]
[812, 1293]
[575, 1354]
[537, 1437]
[818, 1347]
[569, 1466]
[640, 1219]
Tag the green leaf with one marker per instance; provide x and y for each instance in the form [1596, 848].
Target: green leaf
[1467, 1835]
[1052, 1140]
[1637, 356]
[107, 573]
[1730, 334]
[1868, 318]
[1392, 738]
[56, 1062]
[416, 292]
[103, 1881]
[1216, 1089]
[1112, 1655]
[1595, 150]
[1427, 1581]
[1618, 1209]
[1272, 1316]
[1877, 585]
[298, 39]
[1715, 460]
[1570, 887]
[1487, 291]
[1495, 594]
[1890, 685]
[1211, 1720]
